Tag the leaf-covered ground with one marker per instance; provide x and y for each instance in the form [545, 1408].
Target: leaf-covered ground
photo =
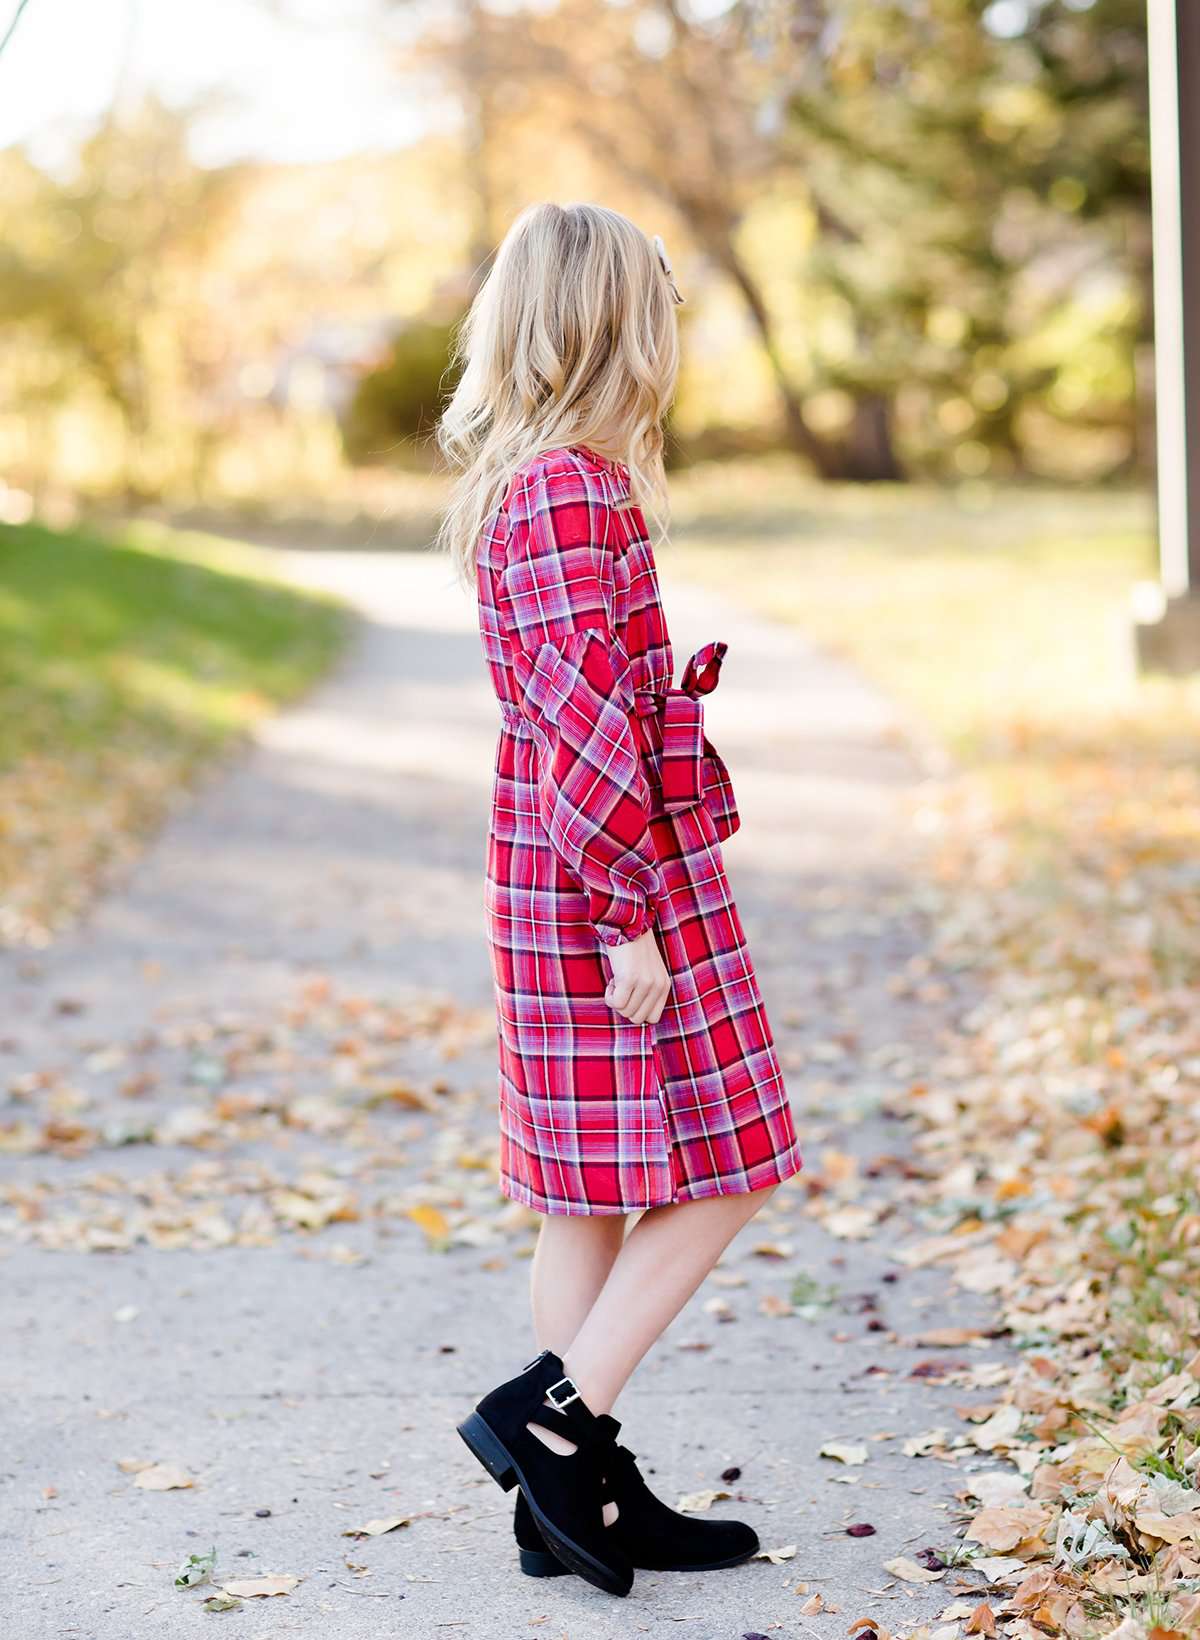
[124, 664]
[1062, 1124]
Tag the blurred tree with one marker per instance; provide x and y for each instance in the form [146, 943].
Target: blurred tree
[968, 192]
[400, 398]
[103, 272]
[683, 107]
[983, 174]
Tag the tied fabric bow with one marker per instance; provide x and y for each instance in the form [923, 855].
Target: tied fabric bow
[683, 743]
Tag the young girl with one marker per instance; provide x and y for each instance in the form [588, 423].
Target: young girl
[637, 1069]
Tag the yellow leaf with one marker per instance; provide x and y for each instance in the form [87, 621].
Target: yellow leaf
[434, 1222]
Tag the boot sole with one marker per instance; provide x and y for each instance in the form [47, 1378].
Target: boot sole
[495, 1457]
[540, 1563]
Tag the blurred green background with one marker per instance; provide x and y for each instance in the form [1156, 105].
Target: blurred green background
[914, 238]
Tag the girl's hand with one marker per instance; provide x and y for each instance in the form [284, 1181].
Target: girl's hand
[640, 983]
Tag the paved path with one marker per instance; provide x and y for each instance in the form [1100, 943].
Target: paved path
[276, 952]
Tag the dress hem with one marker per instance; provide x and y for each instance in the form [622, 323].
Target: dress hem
[781, 1171]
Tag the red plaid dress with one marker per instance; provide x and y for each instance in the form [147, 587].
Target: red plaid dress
[608, 811]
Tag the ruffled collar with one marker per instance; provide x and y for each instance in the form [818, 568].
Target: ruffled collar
[617, 468]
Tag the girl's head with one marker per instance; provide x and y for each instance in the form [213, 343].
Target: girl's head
[572, 339]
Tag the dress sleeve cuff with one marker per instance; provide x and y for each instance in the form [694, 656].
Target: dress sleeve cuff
[608, 935]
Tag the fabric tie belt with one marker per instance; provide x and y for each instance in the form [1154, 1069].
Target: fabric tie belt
[682, 711]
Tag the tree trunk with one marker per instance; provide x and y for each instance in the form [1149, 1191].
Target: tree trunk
[799, 434]
[867, 455]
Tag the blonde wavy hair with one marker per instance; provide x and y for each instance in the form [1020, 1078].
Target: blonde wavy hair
[571, 339]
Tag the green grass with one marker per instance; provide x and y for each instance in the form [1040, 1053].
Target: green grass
[124, 663]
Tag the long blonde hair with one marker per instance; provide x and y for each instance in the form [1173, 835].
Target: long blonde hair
[571, 339]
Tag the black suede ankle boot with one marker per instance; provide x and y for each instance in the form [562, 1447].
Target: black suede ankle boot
[652, 1536]
[560, 1490]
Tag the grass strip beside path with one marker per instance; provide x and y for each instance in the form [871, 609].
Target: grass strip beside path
[124, 664]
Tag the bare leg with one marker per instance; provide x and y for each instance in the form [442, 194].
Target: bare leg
[664, 1259]
[612, 1295]
[571, 1262]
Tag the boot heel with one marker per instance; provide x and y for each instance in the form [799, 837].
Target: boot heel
[538, 1563]
[488, 1450]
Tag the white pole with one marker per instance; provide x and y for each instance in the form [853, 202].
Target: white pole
[1170, 363]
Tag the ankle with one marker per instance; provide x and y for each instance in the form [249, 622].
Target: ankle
[597, 1395]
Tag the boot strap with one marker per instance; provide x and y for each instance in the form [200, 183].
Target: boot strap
[571, 1392]
[576, 1424]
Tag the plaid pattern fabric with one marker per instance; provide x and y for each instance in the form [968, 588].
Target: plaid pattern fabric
[586, 850]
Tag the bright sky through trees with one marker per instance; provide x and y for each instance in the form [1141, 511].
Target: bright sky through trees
[315, 88]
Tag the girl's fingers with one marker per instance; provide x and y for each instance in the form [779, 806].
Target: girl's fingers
[619, 995]
[640, 1003]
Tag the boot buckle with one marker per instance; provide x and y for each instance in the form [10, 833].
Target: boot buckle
[575, 1395]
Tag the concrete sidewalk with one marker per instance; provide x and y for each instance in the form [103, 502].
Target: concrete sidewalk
[310, 927]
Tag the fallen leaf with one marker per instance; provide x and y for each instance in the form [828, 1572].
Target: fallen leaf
[431, 1219]
[947, 1338]
[999, 1430]
[222, 1603]
[255, 1588]
[1005, 1526]
[997, 1486]
[163, 1477]
[998, 1568]
[812, 1606]
[919, 1446]
[860, 1529]
[377, 1528]
[843, 1452]
[982, 1620]
[776, 1556]
[694, 1503]
[196, 1569]
[910, 1572]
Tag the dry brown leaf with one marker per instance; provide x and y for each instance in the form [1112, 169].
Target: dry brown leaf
[947, 1338]
[254, 1588]
[377, 1528]
[1006, 1525]
[982, 1620]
